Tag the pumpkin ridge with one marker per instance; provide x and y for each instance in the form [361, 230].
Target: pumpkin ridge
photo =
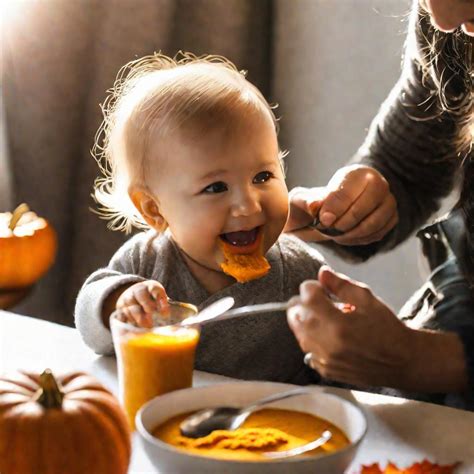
[61, 431]
[21, 381]
[6, 404]
[80, 381]
[7, 432]
[72, 389]
[107, 409]
[10, 387]
[115, 458]
[23, 426]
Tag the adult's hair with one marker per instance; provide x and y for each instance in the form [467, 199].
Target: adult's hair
[448, 65]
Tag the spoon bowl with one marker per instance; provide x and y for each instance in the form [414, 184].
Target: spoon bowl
[210, 312]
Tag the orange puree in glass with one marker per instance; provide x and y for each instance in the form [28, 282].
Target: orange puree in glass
[264, 430]
[155, 363]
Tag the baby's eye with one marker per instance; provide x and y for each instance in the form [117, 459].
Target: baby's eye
[262, 177]
[218, 187]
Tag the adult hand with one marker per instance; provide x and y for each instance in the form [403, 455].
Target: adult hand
[357, 200]
[139, 301]
[304, 206]
[367, 346]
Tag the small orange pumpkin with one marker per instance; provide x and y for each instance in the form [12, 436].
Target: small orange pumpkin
[27, 247]
[71, 425]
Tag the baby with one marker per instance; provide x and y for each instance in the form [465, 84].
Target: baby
[189, 150]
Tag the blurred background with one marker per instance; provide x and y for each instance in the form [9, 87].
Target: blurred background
[328, 63]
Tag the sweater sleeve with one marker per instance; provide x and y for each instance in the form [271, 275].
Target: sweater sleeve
[414, 144]
[302, 262]
[124, 267]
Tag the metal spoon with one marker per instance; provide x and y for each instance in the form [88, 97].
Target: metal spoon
[205, 421]
[213, 311]
[324, 438]
[247, 310]
[330, 231]
[235, 313]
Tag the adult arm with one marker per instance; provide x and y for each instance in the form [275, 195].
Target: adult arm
[412, 143]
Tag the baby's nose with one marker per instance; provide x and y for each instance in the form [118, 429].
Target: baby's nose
[246, 203]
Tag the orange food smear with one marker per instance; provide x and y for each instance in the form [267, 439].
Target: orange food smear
[244, 267]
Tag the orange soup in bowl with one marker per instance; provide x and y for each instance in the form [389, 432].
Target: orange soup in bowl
[263, 431]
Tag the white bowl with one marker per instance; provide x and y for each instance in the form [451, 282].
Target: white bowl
[170, 460]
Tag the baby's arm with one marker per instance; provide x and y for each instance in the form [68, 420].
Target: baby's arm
[133, 263]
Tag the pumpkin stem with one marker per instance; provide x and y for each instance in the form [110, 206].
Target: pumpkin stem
[49, 394]
[16, 216]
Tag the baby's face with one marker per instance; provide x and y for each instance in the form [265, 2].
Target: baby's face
[222, 185]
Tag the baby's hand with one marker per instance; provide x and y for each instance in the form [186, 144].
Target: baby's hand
[138, 303]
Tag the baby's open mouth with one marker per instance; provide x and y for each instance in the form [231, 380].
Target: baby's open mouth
[241, 238]
[243, 254]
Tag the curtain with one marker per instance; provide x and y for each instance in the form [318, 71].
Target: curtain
[60, 56]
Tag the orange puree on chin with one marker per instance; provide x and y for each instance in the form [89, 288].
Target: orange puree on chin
[156, 363]
[265, 430]
[244, 266]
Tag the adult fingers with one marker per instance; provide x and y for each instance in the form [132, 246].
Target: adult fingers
[345, 289]
[375, 195]
[315, 302]
[382, 219]
[304, 317]
[304, 206]
[304, 326]
[343, 189]
[374, 237]
[340, 374]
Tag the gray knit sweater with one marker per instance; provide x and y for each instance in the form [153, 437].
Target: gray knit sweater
[255, 347]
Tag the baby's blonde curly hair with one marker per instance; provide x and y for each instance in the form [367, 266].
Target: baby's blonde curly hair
[150, 99]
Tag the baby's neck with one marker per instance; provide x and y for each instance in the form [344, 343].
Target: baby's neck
[212, 280]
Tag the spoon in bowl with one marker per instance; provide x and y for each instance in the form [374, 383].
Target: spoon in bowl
[318, 442]
[206, 421]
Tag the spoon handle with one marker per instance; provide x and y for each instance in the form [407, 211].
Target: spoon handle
[253, 309]
[324, 438]
[273, 398]
[262, 308]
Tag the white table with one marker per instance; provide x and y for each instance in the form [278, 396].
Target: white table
[399, 430]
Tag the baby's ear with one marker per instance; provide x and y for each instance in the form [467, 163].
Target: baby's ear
[148, 207]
